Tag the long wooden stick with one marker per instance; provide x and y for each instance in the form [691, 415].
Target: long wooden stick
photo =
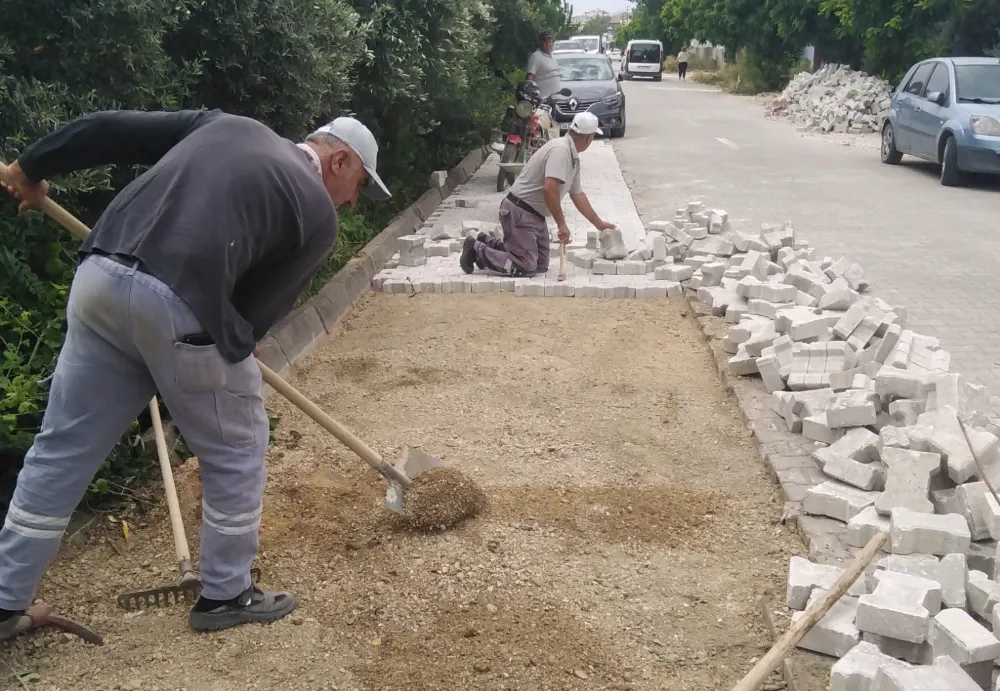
[979, 464]
[786, 644]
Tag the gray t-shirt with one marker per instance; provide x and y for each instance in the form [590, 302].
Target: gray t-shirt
[546, 73]
[558, 159]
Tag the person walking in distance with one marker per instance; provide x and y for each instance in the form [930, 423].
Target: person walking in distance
[682, 64]
[543, 68]
[186, 270]
[536, 195]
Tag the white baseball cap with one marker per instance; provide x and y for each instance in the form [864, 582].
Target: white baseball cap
[586, 123]
[362, 142]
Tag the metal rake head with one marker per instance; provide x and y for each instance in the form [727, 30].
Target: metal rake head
[187, 591]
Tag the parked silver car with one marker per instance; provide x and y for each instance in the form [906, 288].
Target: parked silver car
[947, 110]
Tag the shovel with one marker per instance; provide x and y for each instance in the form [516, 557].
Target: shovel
[400, 475]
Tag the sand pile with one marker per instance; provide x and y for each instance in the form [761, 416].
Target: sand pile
[439, 499]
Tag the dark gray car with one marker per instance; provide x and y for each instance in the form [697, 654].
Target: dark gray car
[595, 87]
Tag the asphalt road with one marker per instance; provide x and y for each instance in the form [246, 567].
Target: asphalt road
[933, 249]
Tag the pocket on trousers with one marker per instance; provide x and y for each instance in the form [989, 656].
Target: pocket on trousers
[236, 418]
[199, 368]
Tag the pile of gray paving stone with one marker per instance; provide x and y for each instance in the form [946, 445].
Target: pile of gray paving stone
[890, 425]
[835, 98]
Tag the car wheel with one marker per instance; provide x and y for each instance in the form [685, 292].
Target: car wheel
[951, 176]
[890, 154]
[658, 78]
[619, 132]
[503, 177]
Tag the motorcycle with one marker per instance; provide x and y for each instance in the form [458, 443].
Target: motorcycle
[525, 128]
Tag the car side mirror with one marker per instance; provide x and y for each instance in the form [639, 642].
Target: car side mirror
[938, 97]
[564, 92]
[620, 77]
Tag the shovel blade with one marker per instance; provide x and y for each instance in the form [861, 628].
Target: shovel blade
[413, 462]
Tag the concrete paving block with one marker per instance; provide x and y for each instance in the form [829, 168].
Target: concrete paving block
[899, 383]
[972, 500]
[906, 412]
[866, 525]
[835, 634]
[815, 427]
[604, 267]
[867, 476]
[852, 408]
[743, 364]
[914, 532]
[858, 444]
[929, 590]
[836, 500]
[856, 670]
[955, 634]
[631, 268]
[894, 610]
[619, 292]
[561, 289]
[908, 480]
[914, 653]
[591, 290]
[674, 289]
[529, 289]
[491, 284]
[397, 286]
[674, 272]
[944, 675]
[949, 572]
[939, 431]
[983, 593]
[804, 576]
[507, 285]
[651, 291]
[945, 501]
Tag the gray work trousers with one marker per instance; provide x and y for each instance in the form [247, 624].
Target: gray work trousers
[524, 249]
[123, 345]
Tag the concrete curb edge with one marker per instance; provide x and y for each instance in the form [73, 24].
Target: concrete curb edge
[303, 329]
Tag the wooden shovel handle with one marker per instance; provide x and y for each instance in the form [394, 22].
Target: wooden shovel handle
[344, 435]
[786, 644]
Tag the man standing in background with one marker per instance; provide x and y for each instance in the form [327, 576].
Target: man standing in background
[543, 68]
[682, 64]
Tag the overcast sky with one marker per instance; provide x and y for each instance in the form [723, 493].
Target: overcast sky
[609, 6]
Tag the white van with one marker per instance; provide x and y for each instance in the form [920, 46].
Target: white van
[591, 44]
[643, 58]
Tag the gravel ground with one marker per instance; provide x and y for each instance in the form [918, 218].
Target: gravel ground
[630, 534]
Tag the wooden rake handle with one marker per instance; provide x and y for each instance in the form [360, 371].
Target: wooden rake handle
[786, 644]
[344, 435]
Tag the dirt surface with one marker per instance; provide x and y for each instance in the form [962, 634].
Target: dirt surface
[630, 532]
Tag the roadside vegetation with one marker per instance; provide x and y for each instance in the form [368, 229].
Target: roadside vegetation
[766, 39]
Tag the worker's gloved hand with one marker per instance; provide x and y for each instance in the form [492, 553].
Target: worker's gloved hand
[29, 194]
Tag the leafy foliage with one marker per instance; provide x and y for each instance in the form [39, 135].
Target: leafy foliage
[880, 36]
[428, 77]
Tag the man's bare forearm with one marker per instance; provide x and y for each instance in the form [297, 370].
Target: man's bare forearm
[554, 204]
[582, 204]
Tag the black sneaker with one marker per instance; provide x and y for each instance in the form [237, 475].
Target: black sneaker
[8, 627]
[253, 605]
[468, 258]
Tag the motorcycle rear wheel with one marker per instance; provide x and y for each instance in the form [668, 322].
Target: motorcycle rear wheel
[511, 153]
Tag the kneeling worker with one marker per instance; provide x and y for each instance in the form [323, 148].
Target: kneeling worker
[536, 195]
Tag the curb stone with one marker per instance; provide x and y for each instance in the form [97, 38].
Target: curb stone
[303, 329]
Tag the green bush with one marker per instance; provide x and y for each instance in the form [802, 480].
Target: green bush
[427, 76]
